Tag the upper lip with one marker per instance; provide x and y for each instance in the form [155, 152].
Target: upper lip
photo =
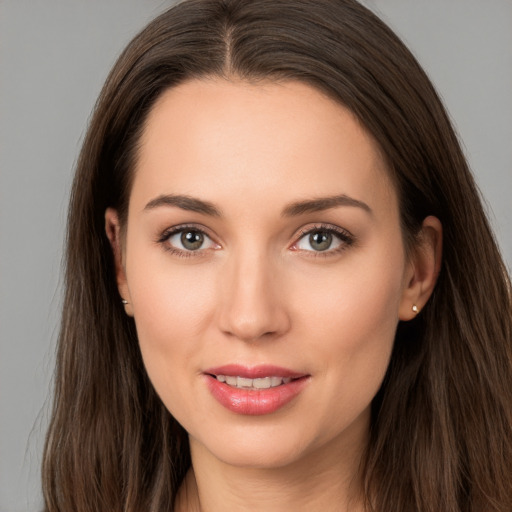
[254, 372]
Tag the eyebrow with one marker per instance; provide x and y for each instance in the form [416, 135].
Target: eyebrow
[184, 202]
[193, 204]
[323, 203]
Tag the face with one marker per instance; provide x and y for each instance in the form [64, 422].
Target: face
[264, 265]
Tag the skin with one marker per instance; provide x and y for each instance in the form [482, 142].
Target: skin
[258, 292]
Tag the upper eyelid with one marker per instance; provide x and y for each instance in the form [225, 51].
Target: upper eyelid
[345, 237]
[164, 240]
[303, 231]
[166, 233]
[326, 227]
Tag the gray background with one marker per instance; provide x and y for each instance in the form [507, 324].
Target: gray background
[54, 56]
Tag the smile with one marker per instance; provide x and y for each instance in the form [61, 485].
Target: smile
[259, 383]
[256, 390]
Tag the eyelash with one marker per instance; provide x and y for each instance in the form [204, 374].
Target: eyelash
[345, 237]
[163, 239]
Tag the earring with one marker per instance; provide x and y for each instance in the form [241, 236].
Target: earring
[124, 301]
[415, 309]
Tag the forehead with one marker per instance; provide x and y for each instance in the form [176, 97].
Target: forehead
[223, 140]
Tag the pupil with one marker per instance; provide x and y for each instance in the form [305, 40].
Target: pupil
[320, 241]
[192, 240]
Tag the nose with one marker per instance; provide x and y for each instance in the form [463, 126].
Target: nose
[252, 299]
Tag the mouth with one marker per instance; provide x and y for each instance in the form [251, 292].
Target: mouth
[257, 390]
[259, 383]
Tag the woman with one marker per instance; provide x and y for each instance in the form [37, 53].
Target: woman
[278, 261]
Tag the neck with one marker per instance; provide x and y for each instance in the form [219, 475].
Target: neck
[327, 480]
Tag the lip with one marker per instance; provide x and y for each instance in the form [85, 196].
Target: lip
[254, 372]
[253, 402]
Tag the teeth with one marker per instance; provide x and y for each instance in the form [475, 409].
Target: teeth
[260, 383]
[264, 383]
[241, 382]
[275, 381]
[232, 381]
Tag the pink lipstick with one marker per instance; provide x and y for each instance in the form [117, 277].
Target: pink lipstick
[256, 390]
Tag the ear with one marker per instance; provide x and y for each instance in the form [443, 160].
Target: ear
[113, 230]
[423, 269]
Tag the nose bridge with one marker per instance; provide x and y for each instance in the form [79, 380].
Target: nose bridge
[252, 305]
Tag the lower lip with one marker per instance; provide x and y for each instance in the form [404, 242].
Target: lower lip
[254, 402]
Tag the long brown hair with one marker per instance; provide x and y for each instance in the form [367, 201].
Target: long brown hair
[441, 429]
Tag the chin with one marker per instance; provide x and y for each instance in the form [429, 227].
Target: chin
[275, 443]
[270, 454]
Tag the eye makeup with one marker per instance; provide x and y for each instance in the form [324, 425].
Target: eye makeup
[323, 239]
[192, 240]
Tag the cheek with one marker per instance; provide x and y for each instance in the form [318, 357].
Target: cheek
[356, 298]
[352, 314]
[172, 304]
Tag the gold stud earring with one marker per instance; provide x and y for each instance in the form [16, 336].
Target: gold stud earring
[415, 309]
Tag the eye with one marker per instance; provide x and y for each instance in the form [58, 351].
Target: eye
[186, 240]
[323, 239]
